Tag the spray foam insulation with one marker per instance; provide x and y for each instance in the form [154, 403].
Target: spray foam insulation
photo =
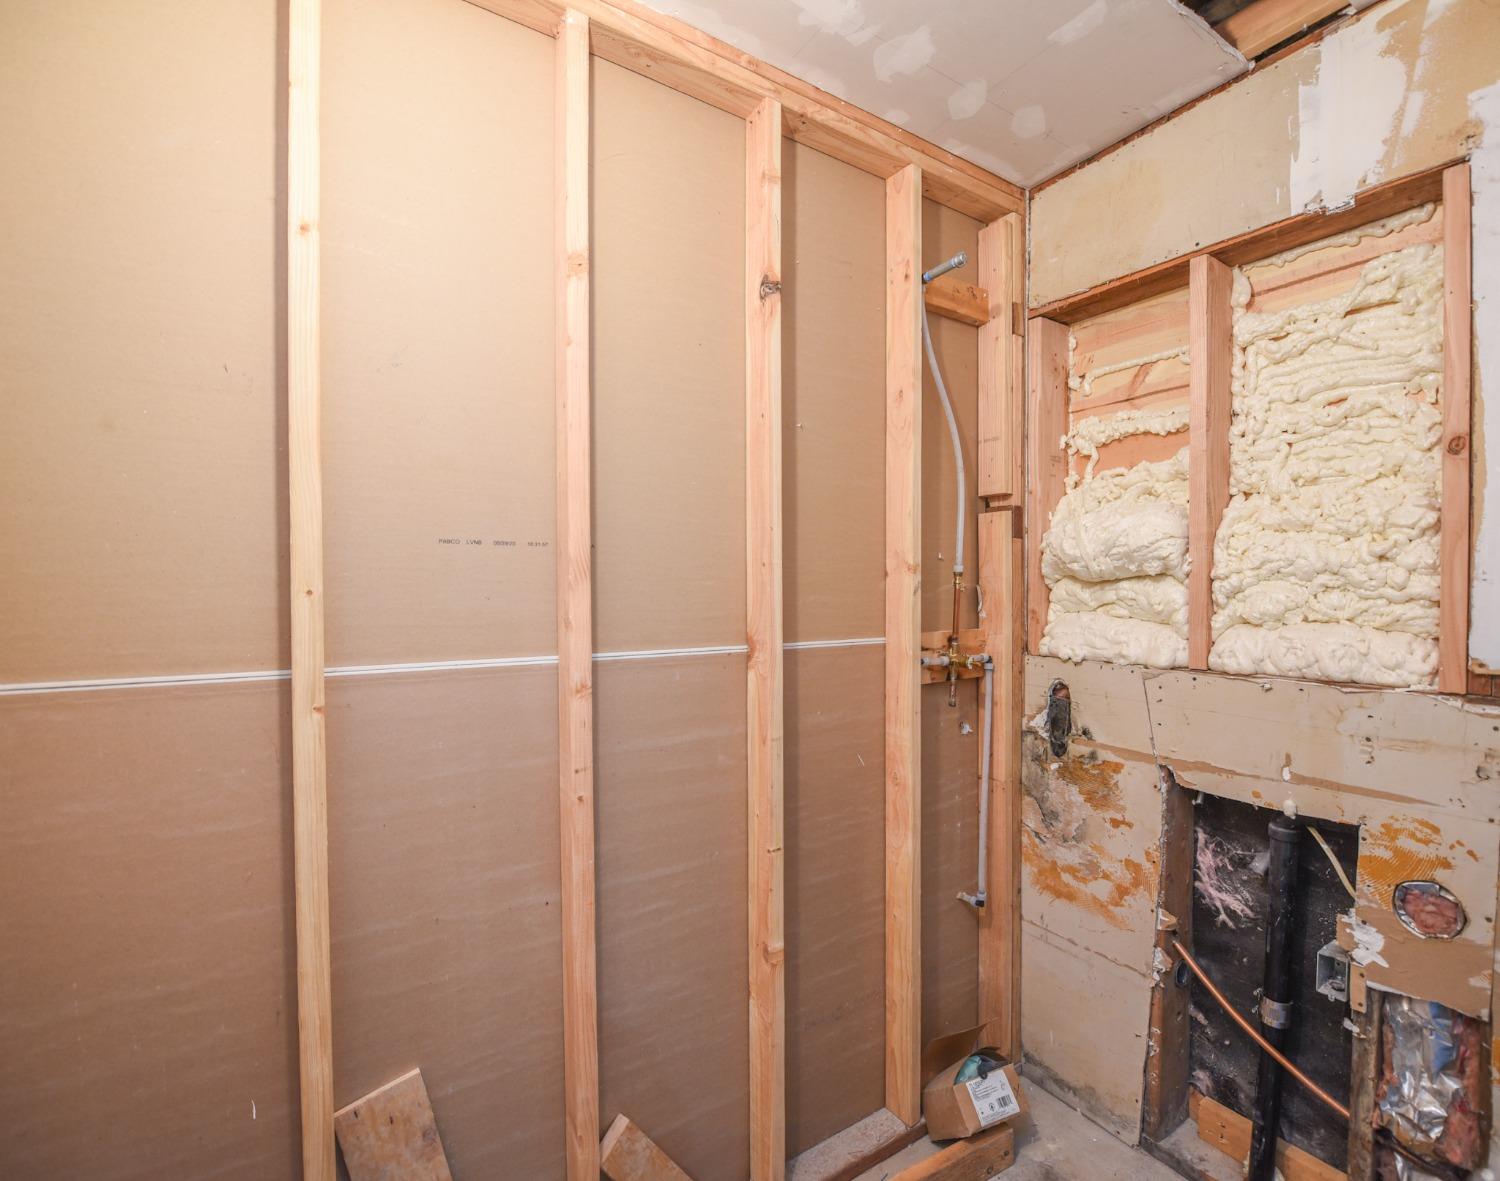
[1326, 560]
[1115, 554]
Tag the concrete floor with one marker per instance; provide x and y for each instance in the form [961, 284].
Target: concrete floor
[1056, 1144]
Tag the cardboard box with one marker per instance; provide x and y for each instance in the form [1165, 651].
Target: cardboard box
[956, 1110]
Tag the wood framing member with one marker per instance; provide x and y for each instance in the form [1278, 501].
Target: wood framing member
[1002, 271]
[763, 631]
[903, 626]
[631, 35]
[1210, 354]
[1046, 461]
[964, 302]
[1001, 561]
[305, 497]
[1265, 24]
[1229, 1132]
[1458, 366]
[575, 630]
[1169, 1024]
[1370, 205]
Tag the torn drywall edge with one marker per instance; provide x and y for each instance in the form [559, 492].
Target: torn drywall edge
[1484, 609]
[1208, 33]
[1346, 115]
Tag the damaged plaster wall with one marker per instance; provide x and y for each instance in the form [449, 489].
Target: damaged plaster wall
[1395, 91]
[1419, 774]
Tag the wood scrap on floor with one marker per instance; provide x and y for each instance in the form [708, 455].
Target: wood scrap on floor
[1229, 1132]
[391, 1134]
[976, 1159]
[627, 1154]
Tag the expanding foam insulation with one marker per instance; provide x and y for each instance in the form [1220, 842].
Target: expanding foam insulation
[833, 509]
[145, 895]
[141, 464]
[146, 935]
[438, 450]
[950, 736]
[669, 572]
[439, 476]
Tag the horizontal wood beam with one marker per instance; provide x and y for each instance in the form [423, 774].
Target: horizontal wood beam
[1370, 205]
[677, 55]
[1265, 24]
[963, 302]
[976, 1159]
[1229, 1132]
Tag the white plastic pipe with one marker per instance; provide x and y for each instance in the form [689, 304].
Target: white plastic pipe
[959, 512]
[977, 899]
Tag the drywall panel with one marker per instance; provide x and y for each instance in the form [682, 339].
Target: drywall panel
[146, 935]
[669, 376]
[950, 735]
[443, 884]
[437, 333]
[140, 462]
[835, 891]
[833, 397]
[673, 910]
[1385, 95]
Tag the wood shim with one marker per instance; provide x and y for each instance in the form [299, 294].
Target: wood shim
[1229, 1132]
[628, 1154]
[976, 1159]
[391, 1135]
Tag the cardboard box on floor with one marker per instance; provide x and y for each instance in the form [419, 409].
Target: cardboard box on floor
[955, 1110]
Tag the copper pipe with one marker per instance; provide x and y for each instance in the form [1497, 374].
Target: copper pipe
[958, 600]
[1281, 1059]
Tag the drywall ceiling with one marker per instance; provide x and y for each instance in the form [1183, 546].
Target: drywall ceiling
[1022, 87]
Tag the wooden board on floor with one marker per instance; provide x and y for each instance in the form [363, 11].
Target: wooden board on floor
[391, 1135]
[627, 1154]
[1229, 1132]
[976, 1159]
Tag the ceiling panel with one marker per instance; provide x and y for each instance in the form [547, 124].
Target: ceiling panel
[1021, 87]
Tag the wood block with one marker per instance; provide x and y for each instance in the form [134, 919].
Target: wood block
[1229, 1132]
[628, 1154]
[976, 1159]
[964, 302]
[391, 1135]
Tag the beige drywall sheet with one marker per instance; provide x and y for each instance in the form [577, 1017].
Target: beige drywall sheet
[140, 461]
[673, 1000]
[437, 333]
[146, 935]
[1385, 95]
[669, 377]
[833, 457]
[833, 397]
[443, 887]
[944, 233]
[835, 891]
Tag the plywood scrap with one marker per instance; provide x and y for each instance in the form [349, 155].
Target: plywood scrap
[976, 1159]
[1229, 1132]
[627, 1154]
[391, 1135]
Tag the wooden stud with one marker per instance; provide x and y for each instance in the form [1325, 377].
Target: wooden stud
[391, 1132]
[628, 1154]
[632, 35]
[1211, 354]
[1169, 1025]
[305, 495]
[1229, 1132]
[964, 302]
[903, 623]
[978, 1158]
[1002, 267]
[1001, 560]
[575, 639]
[1265, 24]
[1458, 364]
[1364, 1075]
[763, 627]
[1046, 461]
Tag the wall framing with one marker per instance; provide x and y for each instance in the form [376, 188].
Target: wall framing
[903, 645]
[305, 487]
